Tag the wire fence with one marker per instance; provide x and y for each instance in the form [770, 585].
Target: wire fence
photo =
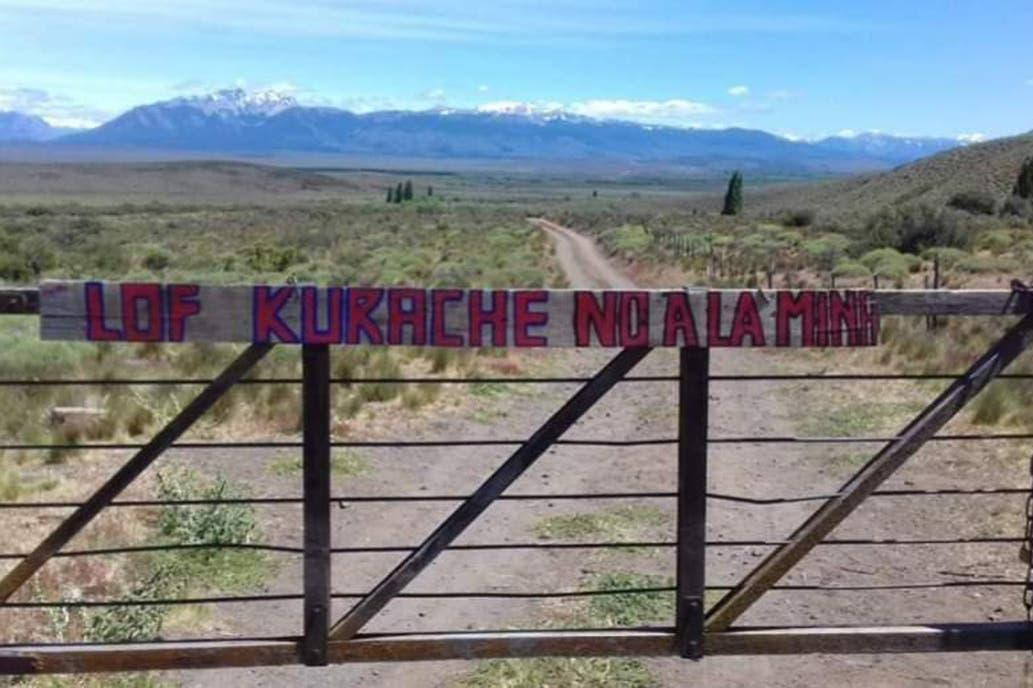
[1000, 491]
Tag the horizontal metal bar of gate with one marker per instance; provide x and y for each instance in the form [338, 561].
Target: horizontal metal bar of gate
[958, 637]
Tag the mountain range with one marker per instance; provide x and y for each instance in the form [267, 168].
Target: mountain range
[18, 127]
[239, 122]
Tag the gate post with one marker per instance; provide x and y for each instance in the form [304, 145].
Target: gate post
[315, 364]
[693, 404]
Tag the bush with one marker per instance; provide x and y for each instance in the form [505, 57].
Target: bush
[211, 523]
[628, 239]
[851, 268]
[798, 218]
[156, 260]
[976, 202]
[912, 229]
[888, 262]
[949, 257]
[1017, 206]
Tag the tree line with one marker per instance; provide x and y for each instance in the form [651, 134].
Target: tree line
[404, 192]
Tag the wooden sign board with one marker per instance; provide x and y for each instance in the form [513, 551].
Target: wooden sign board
[406, 316]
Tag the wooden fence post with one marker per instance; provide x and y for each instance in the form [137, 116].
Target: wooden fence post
[315, 361]
[693, 405]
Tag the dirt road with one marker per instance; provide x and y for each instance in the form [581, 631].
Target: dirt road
[646, 410]
[583, 263]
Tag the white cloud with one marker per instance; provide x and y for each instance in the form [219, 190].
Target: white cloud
[519, 107]
[739, 91]
[673, 109]
[60, 111]
[1029, 82]
[434, 94]
[780, 94]
[444, 20]
[974, 137]
[483, 88]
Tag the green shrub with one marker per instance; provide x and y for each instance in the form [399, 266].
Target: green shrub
[975, 202]
[633, 240]
[157, 260]
[851, 269]
[802, 217]
[210, 523]
[911, 229]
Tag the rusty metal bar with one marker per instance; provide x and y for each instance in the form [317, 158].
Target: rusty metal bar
[481, 499]
[874, 473]
[315, 360]
[1009, 636]
[693, 407]
[131, 470]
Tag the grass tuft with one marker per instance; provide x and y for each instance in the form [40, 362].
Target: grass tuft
[343, 462]
[621, 523]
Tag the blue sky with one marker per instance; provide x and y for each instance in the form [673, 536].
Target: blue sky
[928, 67]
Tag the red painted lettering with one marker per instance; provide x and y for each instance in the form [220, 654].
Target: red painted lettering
[524, 318]
[361, 304]
[148, 296]
[311, 333]
[96, 329]
[714, 337]
[439, 334]
[678, 320]
[267, 302]
[634, 320]
[589, 317]
[406, 308]
[747, 322]
[183, 304]
[494, 318]
[842, 316]
[792, 306]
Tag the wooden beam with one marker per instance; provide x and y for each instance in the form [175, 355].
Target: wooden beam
[25, 300]
[1006, 636]
[130, 470]
[481, 499]
[958, 637]
[693, 407]
[874, 473]
[315, 360]
[953, 302]
[19, 300]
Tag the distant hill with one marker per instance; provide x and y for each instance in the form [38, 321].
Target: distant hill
[16, 127]
[191, 180]
[991, 167]
[242, 123]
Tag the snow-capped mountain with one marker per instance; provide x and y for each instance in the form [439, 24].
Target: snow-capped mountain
[244, 122]
[236, 102]
[887, 146]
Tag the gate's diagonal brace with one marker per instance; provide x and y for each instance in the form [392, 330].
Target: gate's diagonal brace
[865, 481]
[130, 470]
[370, 605]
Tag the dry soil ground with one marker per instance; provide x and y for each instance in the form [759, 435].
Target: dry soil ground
[648, 410]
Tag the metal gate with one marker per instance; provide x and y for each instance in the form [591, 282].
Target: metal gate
[693, 633]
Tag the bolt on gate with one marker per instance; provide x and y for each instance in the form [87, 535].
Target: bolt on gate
[629, 321]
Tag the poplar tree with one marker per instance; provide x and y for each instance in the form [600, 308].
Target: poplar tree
[1024, 184]
[398, 193]
[390, 194]
[733, 197]
[430, 191]
[408, 190]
